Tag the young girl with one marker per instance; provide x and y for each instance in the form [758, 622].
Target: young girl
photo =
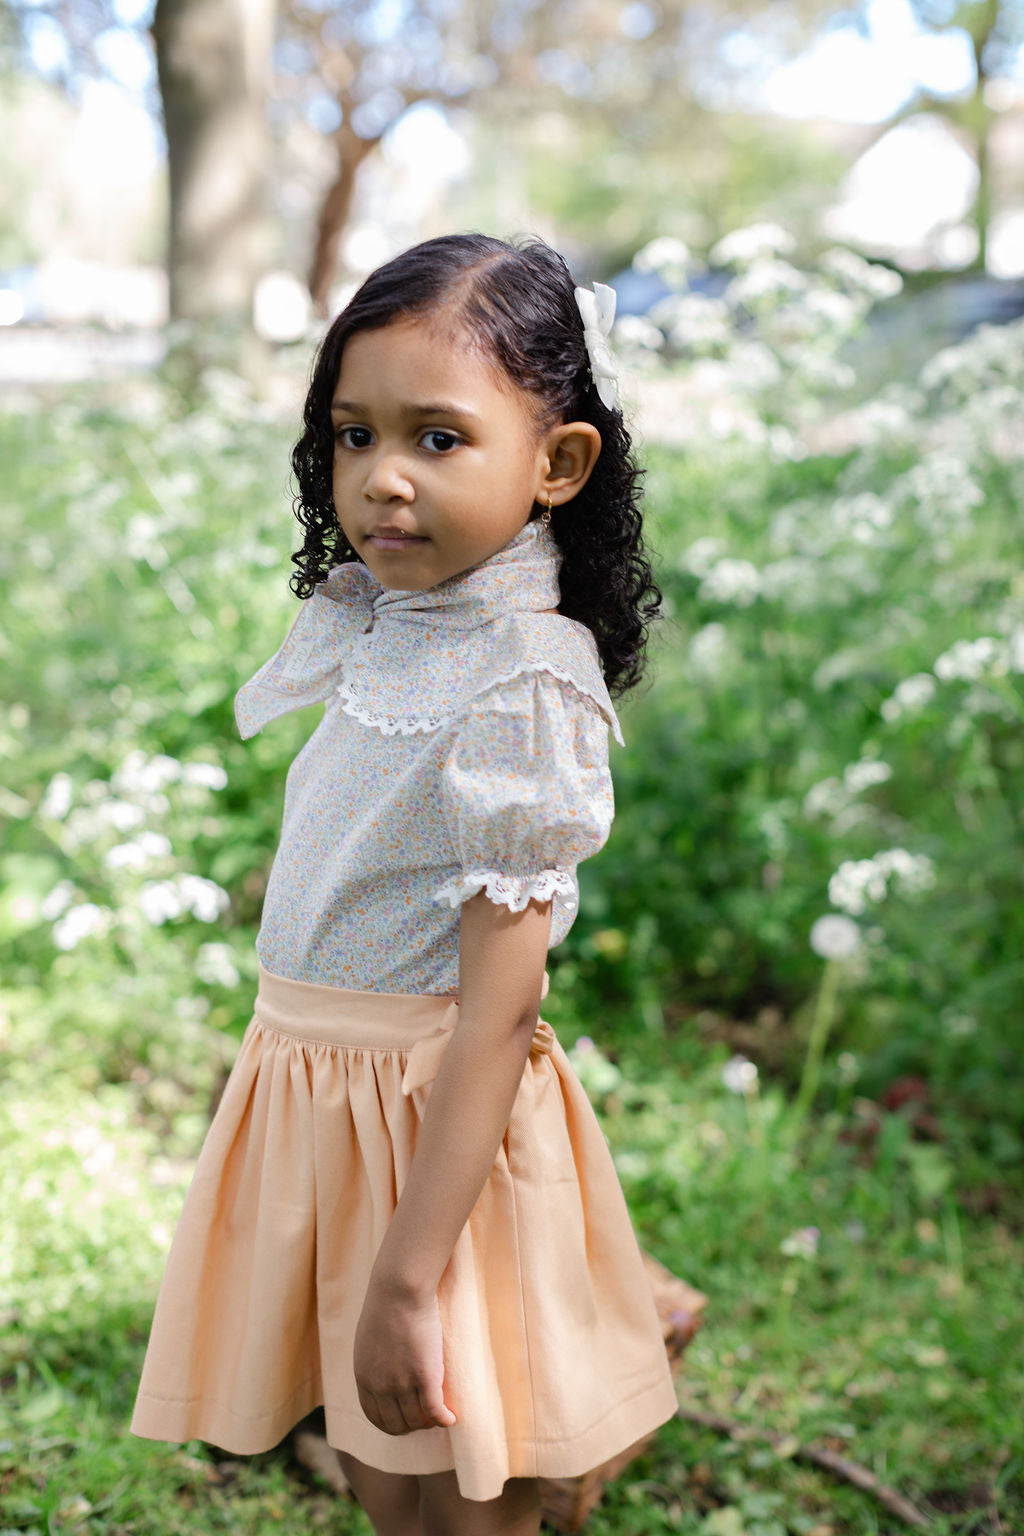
[405, 1209]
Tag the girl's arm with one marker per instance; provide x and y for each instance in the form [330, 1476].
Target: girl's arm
[398, 1342]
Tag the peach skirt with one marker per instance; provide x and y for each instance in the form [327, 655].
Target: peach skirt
[553, 1352]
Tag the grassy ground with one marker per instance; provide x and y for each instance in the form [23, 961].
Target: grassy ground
[851, 1305]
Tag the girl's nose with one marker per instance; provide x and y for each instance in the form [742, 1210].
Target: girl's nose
[388, 478]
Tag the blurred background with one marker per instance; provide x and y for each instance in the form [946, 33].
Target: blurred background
[216, 160]
[794, 989]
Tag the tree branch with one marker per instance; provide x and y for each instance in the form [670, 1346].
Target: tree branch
[831, 1461]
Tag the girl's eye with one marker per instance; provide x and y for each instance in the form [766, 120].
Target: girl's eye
[440, 442]
[354, 437]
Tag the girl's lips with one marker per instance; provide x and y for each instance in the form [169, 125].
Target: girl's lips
[394, 541]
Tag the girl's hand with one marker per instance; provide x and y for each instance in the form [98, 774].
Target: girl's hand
[399, 1364]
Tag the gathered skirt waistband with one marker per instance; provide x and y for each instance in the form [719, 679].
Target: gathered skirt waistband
[344, 1016]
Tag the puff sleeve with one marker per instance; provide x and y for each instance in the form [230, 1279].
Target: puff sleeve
[526, 795]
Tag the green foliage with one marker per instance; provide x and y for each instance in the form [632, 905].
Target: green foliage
[578, 172]
[836, 713]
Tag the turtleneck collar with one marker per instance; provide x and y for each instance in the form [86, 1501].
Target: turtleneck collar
[523, 577]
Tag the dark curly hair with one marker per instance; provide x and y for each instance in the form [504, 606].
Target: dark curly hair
[516, 303]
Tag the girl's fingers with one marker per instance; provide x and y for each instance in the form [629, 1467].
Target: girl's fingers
[411, 1408]
[435, 1411]
[384, 1413]
[407, 1411]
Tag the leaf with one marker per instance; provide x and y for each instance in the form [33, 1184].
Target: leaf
[930, 1170]
[45, 1405]
[727, 1521]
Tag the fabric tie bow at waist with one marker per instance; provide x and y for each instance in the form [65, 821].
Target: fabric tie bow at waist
[425, 1057]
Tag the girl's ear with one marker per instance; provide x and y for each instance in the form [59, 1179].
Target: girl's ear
[572, 450]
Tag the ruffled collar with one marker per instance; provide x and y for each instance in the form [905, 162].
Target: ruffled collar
[412, 661]
[521, 577]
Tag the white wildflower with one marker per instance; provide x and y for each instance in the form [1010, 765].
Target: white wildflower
[862, 516]
[89, 823]
[826, 798]
[143, 541]
[765, 280]
[834, 937]
[747, 244]
[79, 923]
[139, 852]
[755, 366]
[163, 900]
[796, 578]
[215, 964]
[709, 650]
[139, 774]
[57, 901]
[206, 775]
[829, 372]
[633, 331]
[967, 660]
[957, 1023]
[160, 901]
[943, 487]
[941, 367]
[694, 320]
[739, 1075]
[913, 871]
[802, 1244]
[875, 279]
[122, 815]
[205, 899]
[667, 256]
[784, 444]
[836, 309]
[731, 581]
[859, 881]
[909, 696]
[701, 555]
[878, 420]
[882, 281]
[56, 802]
[989, 358]
[865, 773]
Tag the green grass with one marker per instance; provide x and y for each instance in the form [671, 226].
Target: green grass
[896, 1343]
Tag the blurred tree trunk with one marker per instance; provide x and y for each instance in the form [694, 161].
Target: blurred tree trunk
[213, 64]
[335, 210]
[977, 115]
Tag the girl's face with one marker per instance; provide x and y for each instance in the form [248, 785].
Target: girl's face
[437, 465]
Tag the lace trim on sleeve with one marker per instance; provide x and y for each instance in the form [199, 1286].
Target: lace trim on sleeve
[512, 891]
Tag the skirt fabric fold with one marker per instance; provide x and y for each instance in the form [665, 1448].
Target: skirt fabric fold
[554, 1358]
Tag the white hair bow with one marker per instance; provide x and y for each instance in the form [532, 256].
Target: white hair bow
[597, 310]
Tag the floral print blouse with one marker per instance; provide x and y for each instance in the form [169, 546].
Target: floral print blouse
[464, 748]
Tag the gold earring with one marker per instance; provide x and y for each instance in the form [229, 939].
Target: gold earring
[545, 517]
